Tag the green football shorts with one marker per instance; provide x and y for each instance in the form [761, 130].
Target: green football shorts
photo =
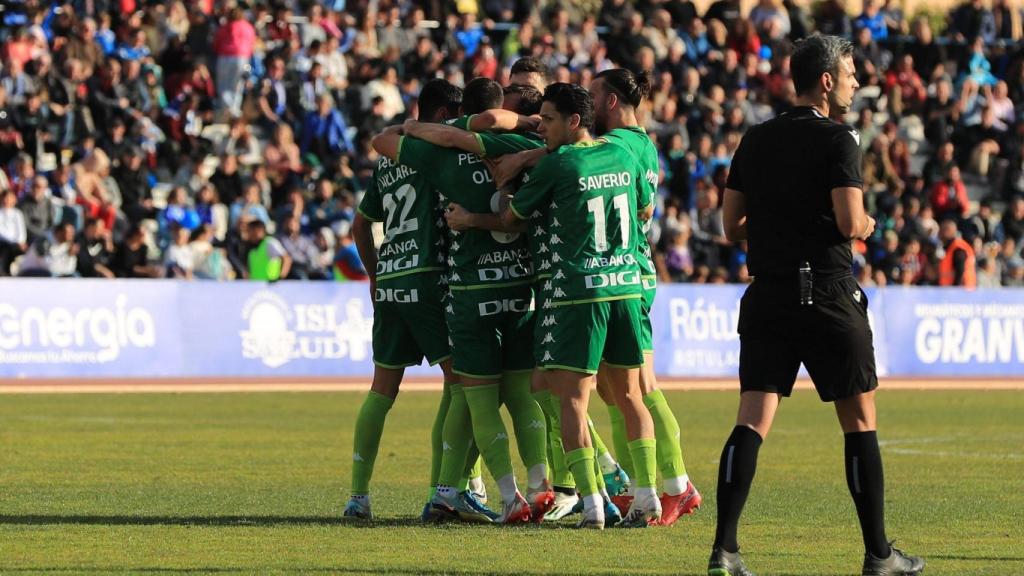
[647, 306]
[409, 321]
[491, 331]
[579, 336]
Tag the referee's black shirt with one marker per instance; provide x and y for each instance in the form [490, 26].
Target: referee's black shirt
[786, 169]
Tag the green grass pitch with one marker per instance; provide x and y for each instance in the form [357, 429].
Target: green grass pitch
[255, 483]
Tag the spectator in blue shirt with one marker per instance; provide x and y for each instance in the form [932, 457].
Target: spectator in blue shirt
[469, 34]
[324, 131]
[873, 20]
[136, 48]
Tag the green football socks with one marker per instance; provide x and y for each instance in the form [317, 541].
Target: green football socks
[619, 439]
[369, 427]
[644, 456]
[457, 439]
[490, 433]
[581, 462]
[666, 431]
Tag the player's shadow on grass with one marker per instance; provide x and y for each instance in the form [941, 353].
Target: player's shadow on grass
[141, 520]
[241, 521]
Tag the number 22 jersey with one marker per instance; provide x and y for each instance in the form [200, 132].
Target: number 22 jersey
[406, 203]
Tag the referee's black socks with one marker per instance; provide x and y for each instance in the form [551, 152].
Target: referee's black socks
[735, 473]
[867, 486]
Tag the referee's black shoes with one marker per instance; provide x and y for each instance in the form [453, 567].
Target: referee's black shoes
[724, 563]
[897, 564]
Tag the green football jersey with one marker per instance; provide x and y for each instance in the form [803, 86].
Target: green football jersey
[476, 258]
[591, 190]
[635, 140]
[406, 203]
[462, 122]
[537, 229]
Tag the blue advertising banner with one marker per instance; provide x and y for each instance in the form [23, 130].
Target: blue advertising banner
[89, 328]
[126, 328]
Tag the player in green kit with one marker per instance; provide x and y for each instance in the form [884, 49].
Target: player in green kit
[491, 146]
[591, 189]
[408, 291]
[490, 315]
[617, 93]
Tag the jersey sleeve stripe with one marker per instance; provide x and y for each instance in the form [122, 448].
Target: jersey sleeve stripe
[365, 215]
[512, 207]
[398, 155]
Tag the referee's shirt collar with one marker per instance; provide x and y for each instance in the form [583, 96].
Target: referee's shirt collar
[805, 111]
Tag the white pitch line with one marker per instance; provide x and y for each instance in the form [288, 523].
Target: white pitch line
[954, 454]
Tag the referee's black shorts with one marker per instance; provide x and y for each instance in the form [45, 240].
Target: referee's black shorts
[831, 338]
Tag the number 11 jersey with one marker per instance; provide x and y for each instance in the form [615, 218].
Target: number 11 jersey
[592, 191]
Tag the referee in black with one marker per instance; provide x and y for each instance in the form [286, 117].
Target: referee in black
[794, 194]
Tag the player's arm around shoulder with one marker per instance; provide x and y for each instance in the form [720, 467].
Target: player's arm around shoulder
[444, 136]
[535, 191]
[503, 120]
[388, 142]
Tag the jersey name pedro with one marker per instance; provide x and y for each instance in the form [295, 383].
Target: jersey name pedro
[635, 140]
[476, 258]
[406, 203]
[591, 191]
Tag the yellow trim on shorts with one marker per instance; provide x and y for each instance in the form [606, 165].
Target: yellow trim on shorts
[409, 272]
[395, 366]
[596, 300]
[569, 368]
[477, 376]
[439, 360]
[495, 285]
[621, 366]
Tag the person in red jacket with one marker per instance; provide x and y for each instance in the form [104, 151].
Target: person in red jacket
[949, 196]
[233, 44]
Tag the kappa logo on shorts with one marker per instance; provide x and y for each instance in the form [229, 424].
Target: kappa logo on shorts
[356, 457]
[560, 275]
[547, 357]
[555, 240]
[555, 223]
[556, 258]
[500, 436]
[559, 293]
[856, 296]
[548, 339]
[549, 320]
[446, 446]
[536, 424]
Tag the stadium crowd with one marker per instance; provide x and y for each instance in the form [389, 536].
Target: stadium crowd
[169, 139]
